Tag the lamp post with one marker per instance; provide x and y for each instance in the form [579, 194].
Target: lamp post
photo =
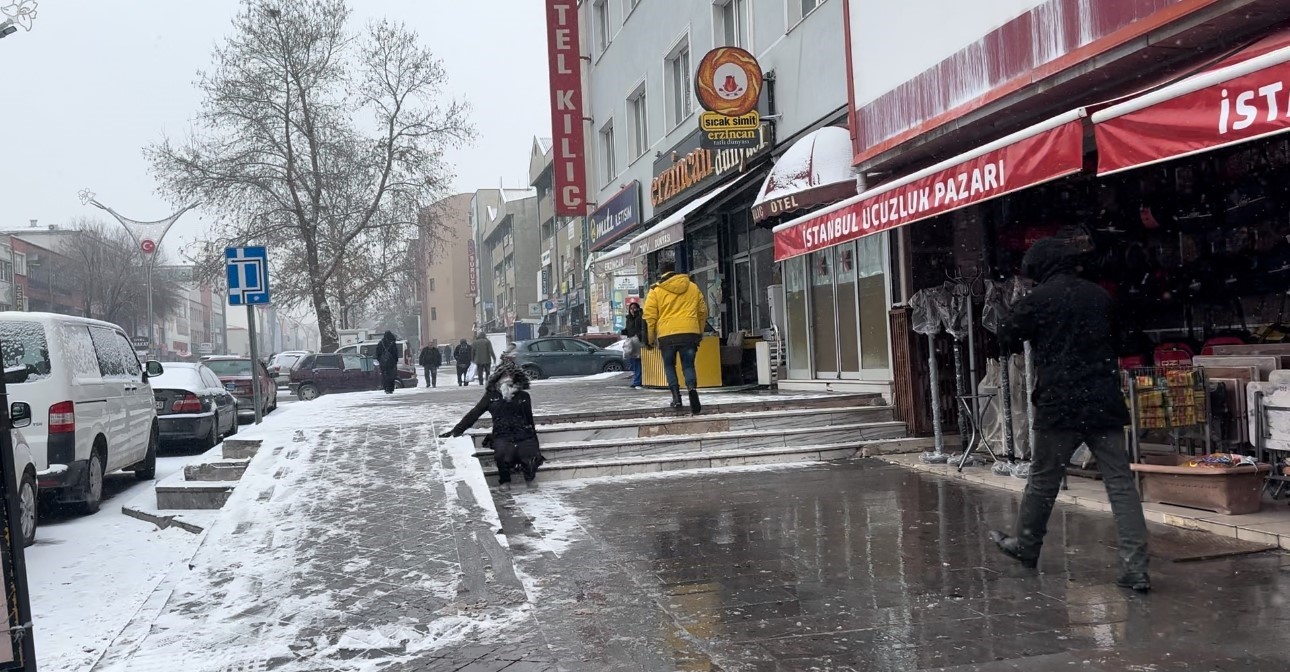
[148, 236]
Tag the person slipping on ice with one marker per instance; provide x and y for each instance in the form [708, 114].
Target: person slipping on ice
[514, 437]
[675, 314]
[387, 356]
[1070, 324]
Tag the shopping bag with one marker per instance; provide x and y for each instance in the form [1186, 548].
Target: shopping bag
[471, 372]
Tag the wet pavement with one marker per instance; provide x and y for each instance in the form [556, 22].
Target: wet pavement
[864, 566]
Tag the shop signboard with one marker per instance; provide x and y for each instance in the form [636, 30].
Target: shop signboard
[472, 267]
[569, 171]
[617, 217]
[910, 75]
[1039, 154]
[728, 85]
[689, 168]
[626, 282]
[546, 257]
[535, 310]
[1240, 100]
[612, 265]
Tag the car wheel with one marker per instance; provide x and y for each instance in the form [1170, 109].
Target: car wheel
[27, 505]
[398, 384]
[613, 367]
[533, 372]
[92, 491]
[147, 470]
[212, 437]
[309, 392]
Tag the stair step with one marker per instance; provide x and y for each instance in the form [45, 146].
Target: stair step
[753, 404]
[620, 430]
[678, 446]
[553, 471]
[195, 495]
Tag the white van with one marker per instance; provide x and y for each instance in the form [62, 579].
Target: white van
[83, 400]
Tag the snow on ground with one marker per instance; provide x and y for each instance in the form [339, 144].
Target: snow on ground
[89, 575]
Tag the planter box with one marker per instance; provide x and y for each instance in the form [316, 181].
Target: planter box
[1230, 491]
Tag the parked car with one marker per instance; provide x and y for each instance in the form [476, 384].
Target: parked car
[84, 400]
[600, 340]
[318, 374]
[368, 349]
[280, 365]
[235, 373]
[193, 405]
[563, 356]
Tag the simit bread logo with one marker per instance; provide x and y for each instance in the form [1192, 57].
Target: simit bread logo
[729, 82]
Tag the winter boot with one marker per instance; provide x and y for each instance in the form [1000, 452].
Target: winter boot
[1011, 549]
[676, 397]
[695, 406]
[1136, 581]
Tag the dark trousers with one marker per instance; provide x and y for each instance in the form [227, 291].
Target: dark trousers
[483, 371]
[461, 374]
[1053, 450]
[387, 380]
[512, 455]
[687, 353]
[432, 376]
[634, 365]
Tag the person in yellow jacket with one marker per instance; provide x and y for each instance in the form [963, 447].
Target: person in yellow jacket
[676, 313]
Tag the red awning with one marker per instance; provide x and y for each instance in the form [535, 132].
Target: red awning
[1243, 97]
[1029, 157]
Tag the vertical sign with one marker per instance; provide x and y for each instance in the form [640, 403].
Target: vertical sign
[564, 60]
[472, 265]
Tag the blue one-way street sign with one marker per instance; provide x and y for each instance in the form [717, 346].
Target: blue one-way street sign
[248, 275]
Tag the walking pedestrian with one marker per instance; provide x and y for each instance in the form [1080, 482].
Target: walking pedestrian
[431, 359]
[675, 313]
[514, 437]
[387, 356]
[462, 356]
[636, 331]
[1071, 328]
[484, 357]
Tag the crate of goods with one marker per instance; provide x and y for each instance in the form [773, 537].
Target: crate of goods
[1220, 483]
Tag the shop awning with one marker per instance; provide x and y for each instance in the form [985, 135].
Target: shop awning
[1035, 155]
[671, 230]
[613, 261]
[1243, 97]
[815, 171]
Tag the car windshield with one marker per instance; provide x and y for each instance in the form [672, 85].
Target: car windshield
[178, 378]
[230, 367]
[25, 351]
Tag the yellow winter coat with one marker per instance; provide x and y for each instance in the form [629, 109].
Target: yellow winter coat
[674, 306]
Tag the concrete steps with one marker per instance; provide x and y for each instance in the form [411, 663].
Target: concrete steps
[205, 484]
[603, 468]
[713, 405]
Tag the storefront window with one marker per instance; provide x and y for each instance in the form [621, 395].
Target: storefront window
[847, 316]
[704, 256]
[763, 268]
[799, 349]
[873, 303]
[823, 323]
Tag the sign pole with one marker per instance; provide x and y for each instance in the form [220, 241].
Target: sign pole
[20, 645]
[255, 361]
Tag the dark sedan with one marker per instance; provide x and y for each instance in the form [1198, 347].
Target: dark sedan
[562, 356]
[192, 405]
[235, 373]
[319, 374]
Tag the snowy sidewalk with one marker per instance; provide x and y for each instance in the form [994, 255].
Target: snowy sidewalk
[352, 543]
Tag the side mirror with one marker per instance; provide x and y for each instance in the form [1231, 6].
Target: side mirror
[19, 415]
[154, 368]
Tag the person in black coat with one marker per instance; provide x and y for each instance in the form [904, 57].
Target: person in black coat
[514, 437]
[462, 356]
[387, 356]
[1071, 327]
[636, 329]
[431, 359]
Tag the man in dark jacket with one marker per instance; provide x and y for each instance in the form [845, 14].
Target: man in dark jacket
[387, 356]
[637, 332]
[1071, 328]
[430, 360]
[462, 356]
[485, 357]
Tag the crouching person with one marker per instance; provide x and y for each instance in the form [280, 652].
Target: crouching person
[514, 438]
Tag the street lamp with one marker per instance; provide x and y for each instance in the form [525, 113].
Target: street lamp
[148, 236]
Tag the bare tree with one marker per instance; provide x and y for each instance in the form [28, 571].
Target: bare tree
[109, 272]
[319, 142]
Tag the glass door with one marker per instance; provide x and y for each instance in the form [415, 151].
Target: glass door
[824, 323]
[875, 305]
[744, 295]
[798, 327]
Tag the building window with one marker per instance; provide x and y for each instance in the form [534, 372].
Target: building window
[6, 270]
[432, 284]
[680, 97]
[434, 314]
[607, 152]
[732, 23]
[639, 113]
[629, 6]
[601, 10]
[800, 8]
[20, 263]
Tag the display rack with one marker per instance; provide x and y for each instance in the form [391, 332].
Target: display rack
[1173, 400]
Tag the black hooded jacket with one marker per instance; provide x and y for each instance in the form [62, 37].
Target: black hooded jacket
[387, 351]
[635, 325]
[513, 418]
[1070, 323]
[431, 357]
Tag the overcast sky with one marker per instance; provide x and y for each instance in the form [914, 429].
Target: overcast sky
[97, 80]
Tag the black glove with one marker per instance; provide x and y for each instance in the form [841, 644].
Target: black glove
[450, 434]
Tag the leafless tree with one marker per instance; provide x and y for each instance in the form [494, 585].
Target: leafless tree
[320, 142]
[109, 272]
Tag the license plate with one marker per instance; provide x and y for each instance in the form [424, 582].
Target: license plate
[230, 386]
[160, 404]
